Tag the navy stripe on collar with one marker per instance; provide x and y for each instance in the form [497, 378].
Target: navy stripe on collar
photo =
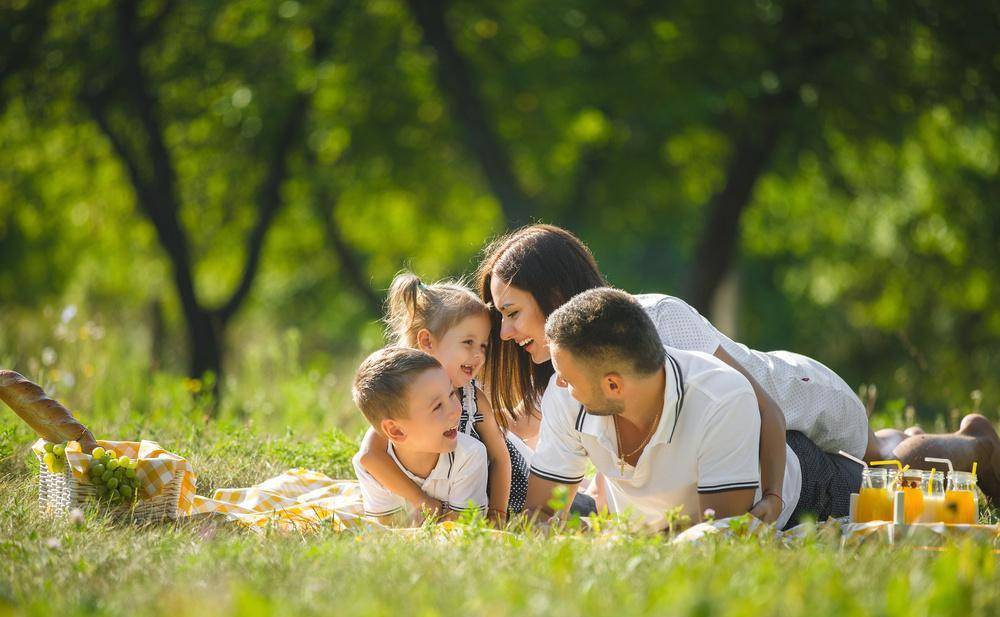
[679, 405]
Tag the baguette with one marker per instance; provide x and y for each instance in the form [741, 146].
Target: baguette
[47, 417]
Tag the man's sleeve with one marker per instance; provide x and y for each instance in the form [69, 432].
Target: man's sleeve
[680, 325]
[728, 457]
[469, 478]
[376, 499]
[559, 456]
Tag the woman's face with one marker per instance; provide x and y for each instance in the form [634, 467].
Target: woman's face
[521, 320]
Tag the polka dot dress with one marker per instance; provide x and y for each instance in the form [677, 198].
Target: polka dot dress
[518, 466]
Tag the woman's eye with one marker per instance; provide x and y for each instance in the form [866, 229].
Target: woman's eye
[513, 314]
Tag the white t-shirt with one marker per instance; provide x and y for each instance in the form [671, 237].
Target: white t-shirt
[707, 440]
[814, 399]
[458, 481]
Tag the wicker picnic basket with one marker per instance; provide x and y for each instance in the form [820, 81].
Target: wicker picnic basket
[58, 493]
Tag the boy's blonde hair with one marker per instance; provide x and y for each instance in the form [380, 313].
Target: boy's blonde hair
[413, 306]
[382, 380]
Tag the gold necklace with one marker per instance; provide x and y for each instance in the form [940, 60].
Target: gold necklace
[618, 439]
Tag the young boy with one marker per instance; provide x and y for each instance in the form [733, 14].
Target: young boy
[407, 397]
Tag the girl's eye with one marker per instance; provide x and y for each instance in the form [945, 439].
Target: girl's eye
[468, 342]
[437, 407]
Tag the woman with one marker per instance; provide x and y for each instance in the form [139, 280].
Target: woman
[528, 273]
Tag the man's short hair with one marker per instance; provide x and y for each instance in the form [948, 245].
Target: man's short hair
[382, 381]
[606, 325]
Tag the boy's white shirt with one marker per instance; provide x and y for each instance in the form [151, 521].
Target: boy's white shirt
[458, 481]
[707, 441]
[814, 399]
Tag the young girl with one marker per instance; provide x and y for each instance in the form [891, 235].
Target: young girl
[449, 322]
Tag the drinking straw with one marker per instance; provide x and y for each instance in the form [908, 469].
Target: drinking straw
[930, 480]
[905, 467]
[856, 460]
[931, 459]
[899, 466]
[974, 465]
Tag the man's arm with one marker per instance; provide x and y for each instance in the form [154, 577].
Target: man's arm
[727, 503]
[540, 493]
[772, 446]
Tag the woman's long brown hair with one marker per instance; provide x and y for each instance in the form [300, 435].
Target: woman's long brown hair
[552, 265]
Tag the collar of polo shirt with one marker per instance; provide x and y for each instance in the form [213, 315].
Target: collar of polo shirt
[441, 471]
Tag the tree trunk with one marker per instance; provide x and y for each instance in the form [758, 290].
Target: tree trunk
[455, 80]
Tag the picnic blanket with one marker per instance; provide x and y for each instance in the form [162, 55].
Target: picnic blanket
[156, 467]
[303, 499]
[298, 499]
[851, 534]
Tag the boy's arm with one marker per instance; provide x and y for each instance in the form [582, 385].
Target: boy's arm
[497, 456]
[772, 446]
[376, 460]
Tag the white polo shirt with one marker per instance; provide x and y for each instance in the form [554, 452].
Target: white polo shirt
[458, 479]
[814, 399]
[707, 440]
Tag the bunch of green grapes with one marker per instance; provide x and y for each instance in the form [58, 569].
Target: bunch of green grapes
[114, 476]
[55, 457]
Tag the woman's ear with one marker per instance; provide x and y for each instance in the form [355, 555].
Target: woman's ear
[392, 430]
[425, 340]
[613, 386]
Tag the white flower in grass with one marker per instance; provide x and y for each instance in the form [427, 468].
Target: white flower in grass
[76, 516]
[53, 543]
[708, 514]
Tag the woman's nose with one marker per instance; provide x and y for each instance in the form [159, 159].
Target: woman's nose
[506, 330]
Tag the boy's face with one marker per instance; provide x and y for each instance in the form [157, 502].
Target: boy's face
[433, 410]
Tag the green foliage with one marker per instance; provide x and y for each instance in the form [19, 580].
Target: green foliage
[870, 240]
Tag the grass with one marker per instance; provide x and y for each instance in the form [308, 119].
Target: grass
[279, 413]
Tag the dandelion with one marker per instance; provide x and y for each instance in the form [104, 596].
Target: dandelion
[49, 356]
[76, 517]
[68, 313]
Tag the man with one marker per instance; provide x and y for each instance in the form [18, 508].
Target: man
[666, 427]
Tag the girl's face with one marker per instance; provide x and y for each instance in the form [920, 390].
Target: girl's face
[521, 320]
[461, 350]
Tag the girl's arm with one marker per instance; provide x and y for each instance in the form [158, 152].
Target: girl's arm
[498, 457]
[376, 460]
[772, 446]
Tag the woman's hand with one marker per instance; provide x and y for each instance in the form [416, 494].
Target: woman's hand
[768, 509]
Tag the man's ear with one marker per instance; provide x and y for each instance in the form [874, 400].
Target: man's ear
[392, 430]
[425, 341]
[612, 385]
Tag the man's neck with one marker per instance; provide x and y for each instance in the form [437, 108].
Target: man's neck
[420, 464]
[646, 402]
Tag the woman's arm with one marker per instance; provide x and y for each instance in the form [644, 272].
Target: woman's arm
[375, 459]
[772, 446]
[525, 426]
[498, 457]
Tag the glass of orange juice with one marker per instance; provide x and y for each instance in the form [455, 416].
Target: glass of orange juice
[933, 498]
[911, 483]
[961, 504]
[874, 500]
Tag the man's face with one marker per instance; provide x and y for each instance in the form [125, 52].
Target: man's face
[433, 410]
[583, 382]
